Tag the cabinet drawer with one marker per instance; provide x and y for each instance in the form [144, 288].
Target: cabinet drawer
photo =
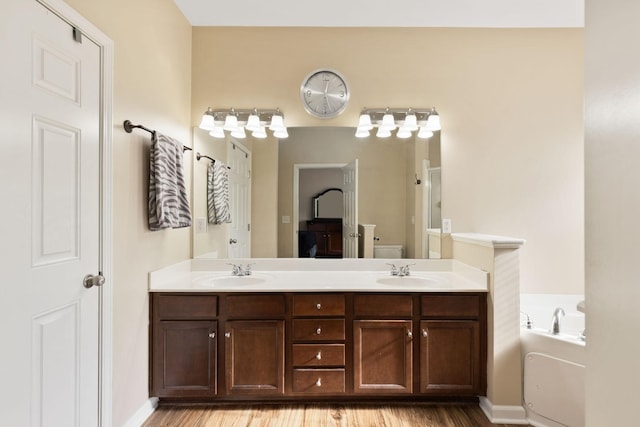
[318, 355]
[255, 306]
[181, 307]
[318, 381]
[318, 305]
[318, 329]
[451, 306]
[383, 305]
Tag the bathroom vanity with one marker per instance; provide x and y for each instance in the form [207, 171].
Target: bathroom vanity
[318, 334]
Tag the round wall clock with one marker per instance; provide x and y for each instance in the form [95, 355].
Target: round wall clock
[324, 93]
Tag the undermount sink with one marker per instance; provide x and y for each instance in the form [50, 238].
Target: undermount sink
[232, 281]
[407, 281]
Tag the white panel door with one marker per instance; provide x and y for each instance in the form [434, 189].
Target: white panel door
[239, 160]
[50, 222]
[350, 217]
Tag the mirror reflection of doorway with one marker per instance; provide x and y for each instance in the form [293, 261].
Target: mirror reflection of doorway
[325, 231]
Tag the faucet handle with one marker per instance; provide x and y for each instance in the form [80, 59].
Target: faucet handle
[394, 269]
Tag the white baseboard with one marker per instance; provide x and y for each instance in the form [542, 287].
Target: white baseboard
[144, 412]
[502, 414]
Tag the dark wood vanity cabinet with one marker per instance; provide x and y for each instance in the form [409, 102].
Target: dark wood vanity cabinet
[309, 346]
[383, 344]
[328, 236]
[452, 352]
[184, 346]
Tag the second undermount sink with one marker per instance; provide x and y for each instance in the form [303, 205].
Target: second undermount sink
[407, 281]
[233, 281]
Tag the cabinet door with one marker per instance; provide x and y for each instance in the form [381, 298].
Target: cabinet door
[334, 239]
[184, 359]
[254, 356]
[383, 356]
[450, 357]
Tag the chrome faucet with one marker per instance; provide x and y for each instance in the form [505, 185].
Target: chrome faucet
[555, 320]
[238, 270]
[401, 271]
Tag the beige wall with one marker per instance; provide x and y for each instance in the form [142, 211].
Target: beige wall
[153, 87]
[510, 102]
[612, 154]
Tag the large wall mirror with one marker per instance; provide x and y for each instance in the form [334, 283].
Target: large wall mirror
[397, 192]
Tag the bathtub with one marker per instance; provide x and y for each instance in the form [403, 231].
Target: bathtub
[553, 366]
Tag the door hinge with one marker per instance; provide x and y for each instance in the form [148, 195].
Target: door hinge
[77, 35]
[248, 227]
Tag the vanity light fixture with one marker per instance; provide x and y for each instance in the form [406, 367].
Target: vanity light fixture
[238, 120]
[405, 120]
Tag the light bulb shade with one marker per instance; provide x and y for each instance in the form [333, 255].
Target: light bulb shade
[217, 132]
[388, 122]
[260, 133]
[425, 132]
[207, 122]
[362, 133]
[410, 122]
[230, 123]
[383, 133]
[238, 133]
[364, 123]
[403, 133]
[433, 122]
[281, 133]
[253, 122]
[277, 123]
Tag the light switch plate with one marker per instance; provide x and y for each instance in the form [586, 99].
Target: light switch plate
[446, 226]
[286, 219]
[201, 225]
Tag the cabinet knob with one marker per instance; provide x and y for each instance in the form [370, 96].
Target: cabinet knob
[212, 335]
[319, 306]
[424, 333]
[409, 334]
[227, 334]
[319, 355]
[319, 382]
[318, 331]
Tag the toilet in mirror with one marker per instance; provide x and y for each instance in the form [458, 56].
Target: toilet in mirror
[320, 193]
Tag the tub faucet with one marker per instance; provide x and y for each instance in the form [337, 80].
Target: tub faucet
[555, 320]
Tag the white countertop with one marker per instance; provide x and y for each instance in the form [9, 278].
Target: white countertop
[311, 275]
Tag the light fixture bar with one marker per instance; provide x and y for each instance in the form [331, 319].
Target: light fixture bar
[405, 120]
[237, 120]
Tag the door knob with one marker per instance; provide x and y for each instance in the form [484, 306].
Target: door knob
[90, 280]
[232, 241]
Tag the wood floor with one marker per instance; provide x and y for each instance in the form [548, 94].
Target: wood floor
[322, 415]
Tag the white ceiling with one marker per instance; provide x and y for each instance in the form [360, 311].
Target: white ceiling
[384, 13]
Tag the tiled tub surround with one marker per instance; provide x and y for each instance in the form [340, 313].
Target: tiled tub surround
[303, 275]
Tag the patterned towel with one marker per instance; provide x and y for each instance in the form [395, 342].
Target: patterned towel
[218, 193]
[168, 201]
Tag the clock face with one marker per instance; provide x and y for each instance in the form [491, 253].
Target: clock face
[324, 93]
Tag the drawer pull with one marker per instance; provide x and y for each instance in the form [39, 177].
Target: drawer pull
[212, 335]
[424, 333]
[227, 334]
[319, 306]
[409, 334]
[319, 382]
[319, 355]
[318, 331]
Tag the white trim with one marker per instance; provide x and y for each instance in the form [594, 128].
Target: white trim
[296, 195]
[503, 414]
[497, 242]
[105, 44]
[143, 413]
